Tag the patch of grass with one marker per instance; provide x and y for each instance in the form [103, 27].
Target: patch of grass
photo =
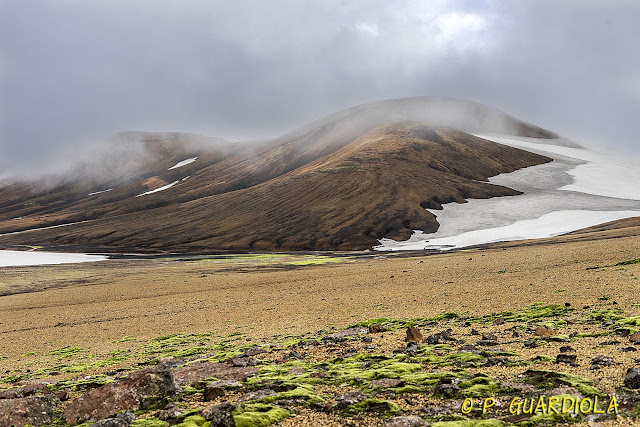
[148, 422]
[479, 386]
[551, 379]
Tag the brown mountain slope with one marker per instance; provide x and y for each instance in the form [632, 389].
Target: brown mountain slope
[312, 196]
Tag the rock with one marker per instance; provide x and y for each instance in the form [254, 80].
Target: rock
[488, 336]
[487, 343]
[440, 338]
[632, 378]
[522, 388]
[468, 347]
[635, 338]
[541, 331]
[377, 328]
[253, 351]
[139, 390]
[219, 415]
[296, 370]
[25, 391]
[61, 395]
[386, 382]
[127, 416]
[531, 344]
[172, 413]
[446, 390]
[192, 374]
[34, 410]
[567, 358]
[294, 355]
[600, 361]
[515, 334]
[498, 321]
[436, 411]
[557, 391]
[242, 362]
[256, 395]
[351, 332]
[349, 398]
[475, 332]
[216, 388]
[413, 334]
[366, 339]
[111, 422]
[412, 421]
[497, 361]
[628, 349]
[567, 349]
[171, 362]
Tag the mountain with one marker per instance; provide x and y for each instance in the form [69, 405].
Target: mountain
[341, 182]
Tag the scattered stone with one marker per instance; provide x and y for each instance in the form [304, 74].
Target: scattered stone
[498, 321]
[34, 410]
[253, 351]
[468, 347]
[171, 362]
[366, 339]
[386, 382]
[521, 388]
[628, 349]
[441, 337]
[377, 328]
[111, 422]
[413, 334]
[487, 343]
[410, 421]
[567, 349]
[515, 334]
[296, 370]
[446, 390]
[541, 331]
[475, 332]
[349, 398]
[632, 378]
[635, 338]
[531, 344]
[243, 362]
[219, 415]
[567, 358]
[139, 390]
[192, 374]
[436, 411]
[294, 355]
[351, 332]
[497, 361]
[61, 395]
[601, 361]
[216, 388]
[557, 391]
[488, 336]
[256, 395]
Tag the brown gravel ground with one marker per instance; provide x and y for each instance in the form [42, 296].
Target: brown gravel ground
[117, 305]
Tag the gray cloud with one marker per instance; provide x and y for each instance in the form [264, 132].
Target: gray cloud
[74, 72]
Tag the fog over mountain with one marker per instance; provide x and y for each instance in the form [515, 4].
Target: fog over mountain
[73, 73]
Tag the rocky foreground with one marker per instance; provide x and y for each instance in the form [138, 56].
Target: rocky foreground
[546, 364]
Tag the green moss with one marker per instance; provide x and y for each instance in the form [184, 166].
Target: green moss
[305, 392]
[194, 421]
[533, 312]
[541, 358]
[67, 351]
[605, 314]
[148, 422]
[592, 334]
[551, 379]
[258, 414]
[470, 423]
[629, 262]
[479, 386]
[384, 407]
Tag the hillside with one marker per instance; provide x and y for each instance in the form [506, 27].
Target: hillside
[341, 182]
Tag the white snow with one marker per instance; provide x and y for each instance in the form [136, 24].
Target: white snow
[24, 258]
[551, 224]
[602, 174]
[164, 187]
[183, 163]
[580, 188]
[99, 192]
[43, 228]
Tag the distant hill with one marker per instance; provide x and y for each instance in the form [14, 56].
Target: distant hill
[341, 182]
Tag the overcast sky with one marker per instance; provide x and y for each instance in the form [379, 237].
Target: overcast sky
[76, 71]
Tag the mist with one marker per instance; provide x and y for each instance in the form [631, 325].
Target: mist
[74, 73]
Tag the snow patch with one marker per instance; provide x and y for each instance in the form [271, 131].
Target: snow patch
[164, 187]
[183, 163]
[549, 225]
[25, 258]
[99, 192]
